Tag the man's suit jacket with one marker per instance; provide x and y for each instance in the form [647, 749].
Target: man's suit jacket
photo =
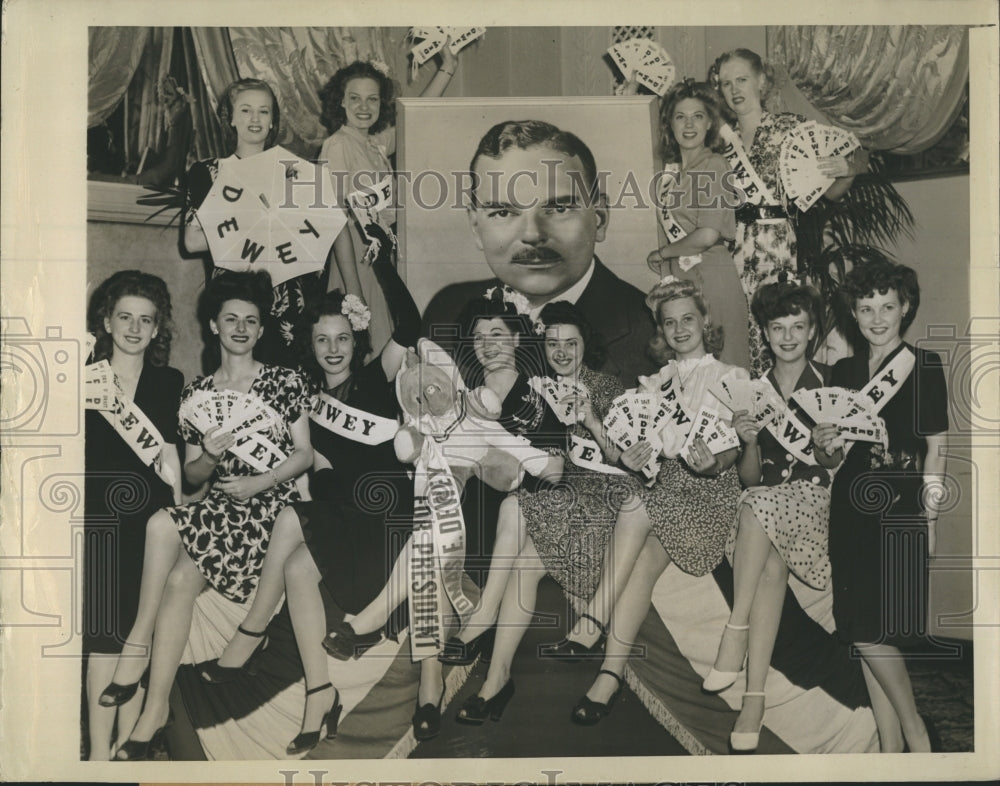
[616, 310]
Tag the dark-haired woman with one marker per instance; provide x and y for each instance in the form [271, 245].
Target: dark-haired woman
[249, 117]
[359, 111]
[565, 529]
[765, 236]
[359, 490]
[221, 539]
[130, 317]
[782, 519]
[885, 500]
[698, 211]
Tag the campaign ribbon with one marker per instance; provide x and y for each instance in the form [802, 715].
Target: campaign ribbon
[437, 554]
[753, 187]
[349, 422]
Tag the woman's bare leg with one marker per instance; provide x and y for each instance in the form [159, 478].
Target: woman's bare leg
[752, 550]
[892, 699]
[173, 626]
[162, 550]
[509, 539]
[305, 607]
[764, 619]
[286, 537]
[629, 613]
[631, 530]
[516, 611]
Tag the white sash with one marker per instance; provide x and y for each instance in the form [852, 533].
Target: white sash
[887, 382]
[747, 179]
[586, 453]
[437, 554]
[792, 434]
[676, 420]
[671, 227]
[353, 424]
[259, 452]
[139, 433]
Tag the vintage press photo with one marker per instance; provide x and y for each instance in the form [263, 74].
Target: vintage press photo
[115, 159]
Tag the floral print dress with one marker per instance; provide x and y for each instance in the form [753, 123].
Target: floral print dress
[226, 537]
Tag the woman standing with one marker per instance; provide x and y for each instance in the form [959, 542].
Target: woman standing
[879, 552]
[130, 317]
[765, 233]
[250, 117]
[359, 111]
[221, 539]
[697, 211]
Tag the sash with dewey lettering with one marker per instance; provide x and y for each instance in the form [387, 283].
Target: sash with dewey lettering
[747, 179]
[349, 422]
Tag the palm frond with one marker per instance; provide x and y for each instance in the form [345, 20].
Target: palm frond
[165, 198]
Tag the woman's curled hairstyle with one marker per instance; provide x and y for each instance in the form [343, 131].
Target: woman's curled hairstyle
[527, 356]
[699, 91]
[330, 305]
[881, 275]
[788, 298]
[226, 109]
[659, 350]
[562, 312]
[331, 97]
[134, 283]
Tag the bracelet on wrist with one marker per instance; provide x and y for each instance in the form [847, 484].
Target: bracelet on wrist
[274, 478]
[449, 73]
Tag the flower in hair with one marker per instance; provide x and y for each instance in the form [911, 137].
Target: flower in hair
[668, 279]
[379, 66]
[539, 327]
[357, 313]
[514, 298]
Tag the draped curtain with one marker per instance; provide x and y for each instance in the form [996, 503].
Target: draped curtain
[297, 62]
[114, 55]
[898, 88]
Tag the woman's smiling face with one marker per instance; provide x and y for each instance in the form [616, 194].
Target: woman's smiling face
[564, 349]
[362, 103]
[495, 344]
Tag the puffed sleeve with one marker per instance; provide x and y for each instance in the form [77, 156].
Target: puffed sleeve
[197, 184]
[173, 386]
[713, 200]
[386, 139]
[932, 394]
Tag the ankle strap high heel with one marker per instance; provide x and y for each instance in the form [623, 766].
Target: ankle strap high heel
[570, 651]
[307, 740]
[717, 680]
[214, 674]
[746, 741]
[587, 712]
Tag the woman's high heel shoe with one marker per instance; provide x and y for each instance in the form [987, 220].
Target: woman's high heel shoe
[307, 740]
[344, 644]
[214, 674]
[138, 750]
[587, 712]
[570, 651]
[427, 719]
[461, 653]
[746, 741]
[476, 709]
[115, 695]
[717, 681]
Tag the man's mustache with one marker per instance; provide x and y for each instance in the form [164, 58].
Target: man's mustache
[534, 255]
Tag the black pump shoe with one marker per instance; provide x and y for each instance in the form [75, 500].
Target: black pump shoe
[307, 740]
[115, 695]
[587, 712]
[214, 674]
[461, 653]
[476, 709]
[570, 651]
[344, 644]
[138, 750]
[427, 719]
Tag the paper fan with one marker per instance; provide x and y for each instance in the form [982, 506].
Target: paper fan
[648, 61]
[99, 388]
[798, 166]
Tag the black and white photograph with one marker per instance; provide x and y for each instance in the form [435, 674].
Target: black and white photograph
[508, 401]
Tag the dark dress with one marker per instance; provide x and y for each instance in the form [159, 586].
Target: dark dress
[523, 413]
[878, 534]
[290, 297]
[362, 515]
[121, 495]
[571, 524]
[227, 538]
